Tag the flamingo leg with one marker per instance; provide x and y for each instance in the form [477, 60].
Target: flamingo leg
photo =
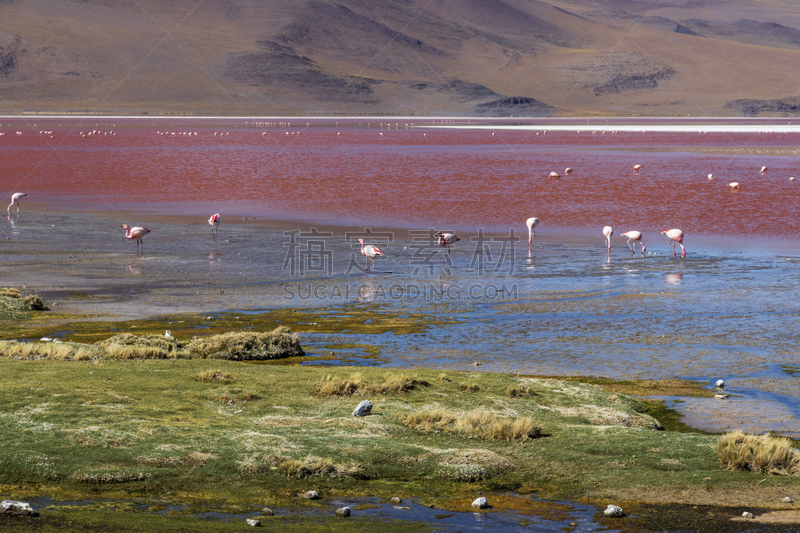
[674, 252]
[631, 247]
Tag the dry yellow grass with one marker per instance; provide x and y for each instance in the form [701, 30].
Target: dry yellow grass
[758, 453]
[477, 423]
[357, 386]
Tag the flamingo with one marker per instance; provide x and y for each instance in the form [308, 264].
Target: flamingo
[446, 240]
[531, 223]
[555, 174]
[763, 170]
[637, 168]
[136, 232]
[675, 235]
[15, 200]
[568, 170]
[634, 236]
[710, 177]
[214, 222]
[370, 252]
[734, 186]
[608, 231]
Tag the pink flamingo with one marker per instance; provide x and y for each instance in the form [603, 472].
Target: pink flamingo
[370, 252]
[531, 223]
[555, 174]
[734, 186]
[214, 222]
[568, 170]
[637, 168]
[446, 240]
[634, 236]
[15, 200]
[136, 232]
[675, 235]
[608, 231]
[763, 170]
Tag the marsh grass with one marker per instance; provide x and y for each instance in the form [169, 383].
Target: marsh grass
[238, 346]
[127, 429]
[758, 453]
[356, 385]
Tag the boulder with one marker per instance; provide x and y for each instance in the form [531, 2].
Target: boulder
[253, 522]
[364, 408]
[14, 508]
[614, 511]
[480, 503]
[311, 495]
[344, 511]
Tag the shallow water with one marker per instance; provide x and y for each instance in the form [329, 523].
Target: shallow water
[729, 310]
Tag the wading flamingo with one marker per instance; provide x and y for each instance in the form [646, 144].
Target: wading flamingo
[214, 222]
[531, 223]
[675, 235]
[608, 231]
[637, 168]
[568, 170]
[15, 200]
[370, 252]
[632, 237]
[555, 174]
[763, 170]
[446, 240]
[734, 186]
[136, 232]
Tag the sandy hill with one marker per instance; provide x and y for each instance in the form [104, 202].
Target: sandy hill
[422, 57]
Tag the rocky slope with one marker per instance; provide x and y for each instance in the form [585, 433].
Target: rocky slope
[449, 57]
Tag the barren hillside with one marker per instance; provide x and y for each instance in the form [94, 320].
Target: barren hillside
[448, 57]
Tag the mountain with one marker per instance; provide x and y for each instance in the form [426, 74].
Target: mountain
[398, 57]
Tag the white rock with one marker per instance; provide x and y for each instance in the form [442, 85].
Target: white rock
[748, 515]
[168, 335]
[720, 383]
[311, 495]
[787, 499]
[344, 511]
[364, 408]
[614, 511]
[11, 507]
[253, 522]
[480, 503]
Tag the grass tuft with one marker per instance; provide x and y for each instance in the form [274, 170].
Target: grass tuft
[477, 423]
[214, 376]
[248, 346]
[357, 386]
[758, 453]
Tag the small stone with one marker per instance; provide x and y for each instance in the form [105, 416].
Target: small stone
[395, 501]
[720, 396]
[344, 511]
[614, 511]
[311, 495]
[253, 522]
[720, 383]
[266, 511]
[787, 499]
[480, 503]
[364, 408]
[15, 508]
[748, 515]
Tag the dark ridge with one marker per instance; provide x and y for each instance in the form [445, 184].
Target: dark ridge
[753, 108]
[633, 82]
[514, 105]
